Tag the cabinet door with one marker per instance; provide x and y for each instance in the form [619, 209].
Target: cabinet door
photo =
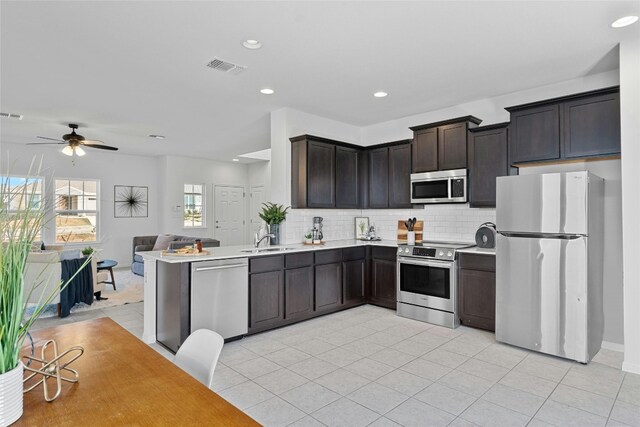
[347, 174]
[399, 176]
[487, 161]
[477, 298]
[452, 146]
[353, 279]
[425, 150]
[298, 292]
[383, 283]
[321, 175]
[328, 286]
[535, 134]
[379, 178]
[591, 126]
[266, 299]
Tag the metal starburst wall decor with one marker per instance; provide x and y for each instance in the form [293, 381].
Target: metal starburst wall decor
[130, 201]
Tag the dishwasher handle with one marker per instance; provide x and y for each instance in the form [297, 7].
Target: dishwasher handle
[222, 267]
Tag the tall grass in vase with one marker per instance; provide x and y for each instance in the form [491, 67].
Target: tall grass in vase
[21, 220]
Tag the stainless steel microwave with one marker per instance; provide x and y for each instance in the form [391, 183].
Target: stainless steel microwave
[439, 187]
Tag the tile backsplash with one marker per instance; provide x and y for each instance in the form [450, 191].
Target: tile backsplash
[455, 222]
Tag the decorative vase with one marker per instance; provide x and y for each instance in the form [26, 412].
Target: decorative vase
[275, 230]
[411, 237]
[11, 395]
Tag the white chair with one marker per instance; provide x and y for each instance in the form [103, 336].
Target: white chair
[199, 353]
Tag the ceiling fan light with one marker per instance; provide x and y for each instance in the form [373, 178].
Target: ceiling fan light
[67, 151]
[79, 151]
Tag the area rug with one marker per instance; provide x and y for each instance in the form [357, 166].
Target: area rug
[129, 289]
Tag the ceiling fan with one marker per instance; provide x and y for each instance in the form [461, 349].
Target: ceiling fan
[75, 142]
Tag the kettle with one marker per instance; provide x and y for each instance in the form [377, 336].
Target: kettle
[486, 235]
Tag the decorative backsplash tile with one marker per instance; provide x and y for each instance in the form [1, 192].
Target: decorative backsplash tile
[455, 222]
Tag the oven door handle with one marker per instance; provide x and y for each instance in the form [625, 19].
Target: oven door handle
[429, 263]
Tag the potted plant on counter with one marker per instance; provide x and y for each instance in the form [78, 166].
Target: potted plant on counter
[21, 221]
[274, 214]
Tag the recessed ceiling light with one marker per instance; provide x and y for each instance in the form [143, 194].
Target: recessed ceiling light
[380, 94]
[252, 44]
[267, 91]
[624, 21]
[156, 136]
[236, 160]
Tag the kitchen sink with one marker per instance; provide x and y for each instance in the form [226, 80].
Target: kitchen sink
[260, 250]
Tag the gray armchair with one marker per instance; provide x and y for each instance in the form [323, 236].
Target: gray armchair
[146, 243]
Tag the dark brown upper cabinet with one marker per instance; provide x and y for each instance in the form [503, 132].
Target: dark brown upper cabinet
[324, 174]
[347, 178]
[441, 145]
[400, 176]
[592, 126]
[379, 178]
[571, 127]
[487, 160]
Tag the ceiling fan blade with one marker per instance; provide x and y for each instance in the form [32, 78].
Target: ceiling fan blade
[91, 141]
[101, 146]
[51, 139]
[46, 143]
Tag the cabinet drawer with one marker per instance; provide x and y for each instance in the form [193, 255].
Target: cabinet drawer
[265, 263]
[298, 260]
[328, 257]
[382, 252]
[351, 254]
[478, 262]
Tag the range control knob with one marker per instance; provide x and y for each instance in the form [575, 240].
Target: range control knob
[449, 254]
[406, 250]
[399, 250]
[440, 253]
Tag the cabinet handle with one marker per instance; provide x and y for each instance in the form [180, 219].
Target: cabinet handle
[222, 267]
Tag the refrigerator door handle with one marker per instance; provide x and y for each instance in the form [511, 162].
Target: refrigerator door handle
[541, 235]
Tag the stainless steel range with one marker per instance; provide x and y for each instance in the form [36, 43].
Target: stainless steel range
[427, 282]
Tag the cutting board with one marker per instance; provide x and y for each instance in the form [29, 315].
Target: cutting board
[402, 231]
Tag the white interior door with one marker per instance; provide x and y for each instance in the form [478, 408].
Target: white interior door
[229, 214]
[256, 199]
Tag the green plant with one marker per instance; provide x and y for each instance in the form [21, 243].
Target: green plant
[18, 229]
[362, 225]
[308, 236]
[88, 251]
[273, 213]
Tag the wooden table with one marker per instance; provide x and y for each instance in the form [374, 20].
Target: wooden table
[123, 382]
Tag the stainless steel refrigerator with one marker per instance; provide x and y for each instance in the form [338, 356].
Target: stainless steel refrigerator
[549, 263]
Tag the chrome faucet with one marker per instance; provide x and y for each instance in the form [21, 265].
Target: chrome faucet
[257, 240]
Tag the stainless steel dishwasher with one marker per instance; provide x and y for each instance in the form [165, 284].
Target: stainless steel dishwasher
[220, 296]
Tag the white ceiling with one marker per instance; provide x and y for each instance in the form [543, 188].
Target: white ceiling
[124, 70]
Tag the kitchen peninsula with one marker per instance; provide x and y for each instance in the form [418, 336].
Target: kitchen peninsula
[286, 284]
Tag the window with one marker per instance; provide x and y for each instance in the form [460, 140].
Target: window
[76, 209]
[18, 193]
[194, 214]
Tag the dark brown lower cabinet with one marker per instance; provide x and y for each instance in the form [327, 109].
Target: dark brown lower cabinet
[298, 291]
[383, 283]
[266, 300]
[328, 286]
[354, 281]
[477, 291]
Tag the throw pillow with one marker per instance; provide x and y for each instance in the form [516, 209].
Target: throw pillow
[162, 242]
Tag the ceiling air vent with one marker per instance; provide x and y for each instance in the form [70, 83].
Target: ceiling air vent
[12, 116]
[226, 66]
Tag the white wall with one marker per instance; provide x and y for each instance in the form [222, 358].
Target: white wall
[115, 234]
[178, 171]
[630, 134]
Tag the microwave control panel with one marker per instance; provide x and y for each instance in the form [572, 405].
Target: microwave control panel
[457, 187]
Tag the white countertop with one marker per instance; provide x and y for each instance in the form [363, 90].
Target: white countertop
[244, 251]
[478, 251]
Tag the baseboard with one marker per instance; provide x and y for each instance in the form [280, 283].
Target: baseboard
[613, 346]
[634, 368]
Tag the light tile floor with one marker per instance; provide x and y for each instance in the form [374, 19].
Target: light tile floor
[366, 366]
